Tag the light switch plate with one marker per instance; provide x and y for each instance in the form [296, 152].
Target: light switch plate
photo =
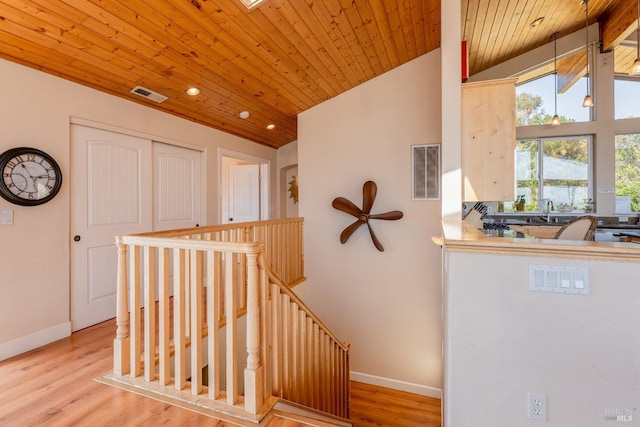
[559, 279]
[6, 217]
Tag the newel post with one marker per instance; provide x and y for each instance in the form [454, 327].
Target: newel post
[253, 375]
[121, 342]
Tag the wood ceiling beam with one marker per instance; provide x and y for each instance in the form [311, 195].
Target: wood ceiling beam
[571, 69]
[618, 24]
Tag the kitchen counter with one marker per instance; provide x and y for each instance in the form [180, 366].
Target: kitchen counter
[460, 236]
[495, 318]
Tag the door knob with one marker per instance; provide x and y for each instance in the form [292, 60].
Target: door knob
[76, 238]
[230, 219]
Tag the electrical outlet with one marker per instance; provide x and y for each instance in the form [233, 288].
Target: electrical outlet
[537, 406]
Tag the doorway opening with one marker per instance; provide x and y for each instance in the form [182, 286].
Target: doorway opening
[244, 187]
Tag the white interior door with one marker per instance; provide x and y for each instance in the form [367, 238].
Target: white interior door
[111, 187]
[176, 187]
[244, 193]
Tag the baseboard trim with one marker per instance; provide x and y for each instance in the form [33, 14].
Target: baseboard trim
[37, 339]
[422, 390]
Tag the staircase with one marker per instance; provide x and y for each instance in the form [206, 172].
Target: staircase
[220, 297]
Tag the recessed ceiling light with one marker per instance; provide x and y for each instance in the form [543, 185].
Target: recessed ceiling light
[243, 114]
[536, 22]
[192, 91]
[271, 126]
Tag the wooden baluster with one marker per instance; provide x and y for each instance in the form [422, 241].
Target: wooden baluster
[230, 294]
[309, 363]
[121, 348]
[135, 315]
[178, 318]
[300, 253]
[347, 383]
[253, 372]
[323, 371]
[149, 313]
[334, 378]
[331, 375]
[195, 301]
[264, 345]
[279, 248]
[341, 396]
[218, 288]
[316, 367]
[286, 347]
[295, 351]
[241, 265]
[186, 265]
[302, 343]
[213, 322]
[276, 340]
[164, 316]
[286, 264]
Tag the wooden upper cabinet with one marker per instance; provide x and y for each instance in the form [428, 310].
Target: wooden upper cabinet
[488, 140]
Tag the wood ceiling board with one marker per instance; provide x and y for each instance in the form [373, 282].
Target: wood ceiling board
[233, 79]
[497, 31]
[432, 24]
[380, 62]
[624, 57]
[277, 60]
[571, 69]
[535, 74]
[506, 31]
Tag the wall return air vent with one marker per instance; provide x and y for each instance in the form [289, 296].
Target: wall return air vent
[149, 94]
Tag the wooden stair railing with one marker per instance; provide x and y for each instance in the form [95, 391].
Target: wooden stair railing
[309, 365]
[217, 275]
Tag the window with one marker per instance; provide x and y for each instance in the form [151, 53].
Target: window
[535, 103]
[627, 173]
[626, 93]
[555, 170]
[535, 99]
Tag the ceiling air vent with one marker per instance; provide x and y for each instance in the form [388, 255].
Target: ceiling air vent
[149, 94]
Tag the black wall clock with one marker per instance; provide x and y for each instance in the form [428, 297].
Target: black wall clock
[30, 177]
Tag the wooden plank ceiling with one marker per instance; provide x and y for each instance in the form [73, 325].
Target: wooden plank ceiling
[275, 61]
[500, 30]
[282, 57]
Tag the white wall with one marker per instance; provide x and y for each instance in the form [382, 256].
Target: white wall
[288, 168]
[36, 110]
[387, 304]
[504, 341]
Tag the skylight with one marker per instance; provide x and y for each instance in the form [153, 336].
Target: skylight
[250, 4]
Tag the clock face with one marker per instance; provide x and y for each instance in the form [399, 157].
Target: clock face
[29, 176]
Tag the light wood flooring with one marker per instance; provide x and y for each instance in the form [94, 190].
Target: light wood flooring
[53, 386]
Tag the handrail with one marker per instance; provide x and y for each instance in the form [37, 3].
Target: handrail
[216, 275]
[276, 234]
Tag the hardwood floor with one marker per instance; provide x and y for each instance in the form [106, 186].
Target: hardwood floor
[53, 386]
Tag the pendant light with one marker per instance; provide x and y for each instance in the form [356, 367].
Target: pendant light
[635, 69]
[555, 120]
[588, 101]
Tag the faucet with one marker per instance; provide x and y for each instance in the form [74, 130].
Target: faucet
[550, 207]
